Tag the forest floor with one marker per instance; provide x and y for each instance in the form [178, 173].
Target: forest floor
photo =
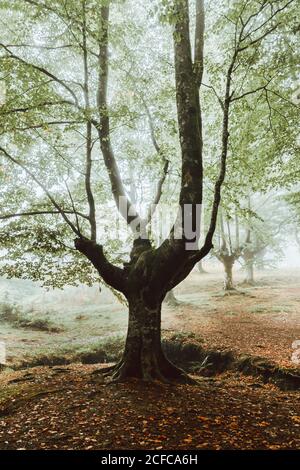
[68, 407]
[262, 320]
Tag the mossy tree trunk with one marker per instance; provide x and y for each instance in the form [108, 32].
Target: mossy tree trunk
[143, 356]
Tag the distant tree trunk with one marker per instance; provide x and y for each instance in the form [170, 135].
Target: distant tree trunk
[297, 237]
[249, 256]
[170, 299]
[143, 356]
[200, 268]
[249, 272]
[228, 263]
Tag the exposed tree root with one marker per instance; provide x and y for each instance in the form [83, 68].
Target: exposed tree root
[156, 368]
[106, 370]
[229, 289]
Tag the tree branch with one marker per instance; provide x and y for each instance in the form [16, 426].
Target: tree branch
[112, 275]
[33, 107]
[44, 125]
[88, 168]
[127, 210]
[275, 13]
[45, 212]
[162, 179]
[188, 110]
[259, 39]
[43, 187]
[74, 209]
[199, 42]
[251, 92]
[158, 195]
[216, 94]
[43, 71]
[225, 139]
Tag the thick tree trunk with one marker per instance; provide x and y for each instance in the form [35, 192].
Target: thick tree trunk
[228, 281]
[143, 356]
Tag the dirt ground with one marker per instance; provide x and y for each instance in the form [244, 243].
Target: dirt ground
[68, 408]
[262, 320]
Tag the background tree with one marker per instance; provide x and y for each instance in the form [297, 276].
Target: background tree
[293, 201]
[229, 249]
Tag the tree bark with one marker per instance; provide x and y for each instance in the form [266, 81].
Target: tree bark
[143, 356]
[228, 282]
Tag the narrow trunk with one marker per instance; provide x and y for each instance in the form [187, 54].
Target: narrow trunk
[200, 268]
[228, 282]
[249, 272]
[143, 356]
[170, 299]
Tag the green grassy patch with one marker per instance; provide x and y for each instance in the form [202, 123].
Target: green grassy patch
[105, 350]
[281, 309]
[14, 315]
[259, 309]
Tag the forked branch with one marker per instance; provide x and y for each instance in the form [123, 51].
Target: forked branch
[127, 210]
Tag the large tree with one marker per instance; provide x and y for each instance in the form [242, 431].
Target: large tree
[63, 99]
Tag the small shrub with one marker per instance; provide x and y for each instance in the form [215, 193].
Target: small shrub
[9, 313]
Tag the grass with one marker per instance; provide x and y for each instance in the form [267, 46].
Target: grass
[104, 351]
[258, 309]
[281, 309]
[270, 309]
[57, 326]
[14, 315]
